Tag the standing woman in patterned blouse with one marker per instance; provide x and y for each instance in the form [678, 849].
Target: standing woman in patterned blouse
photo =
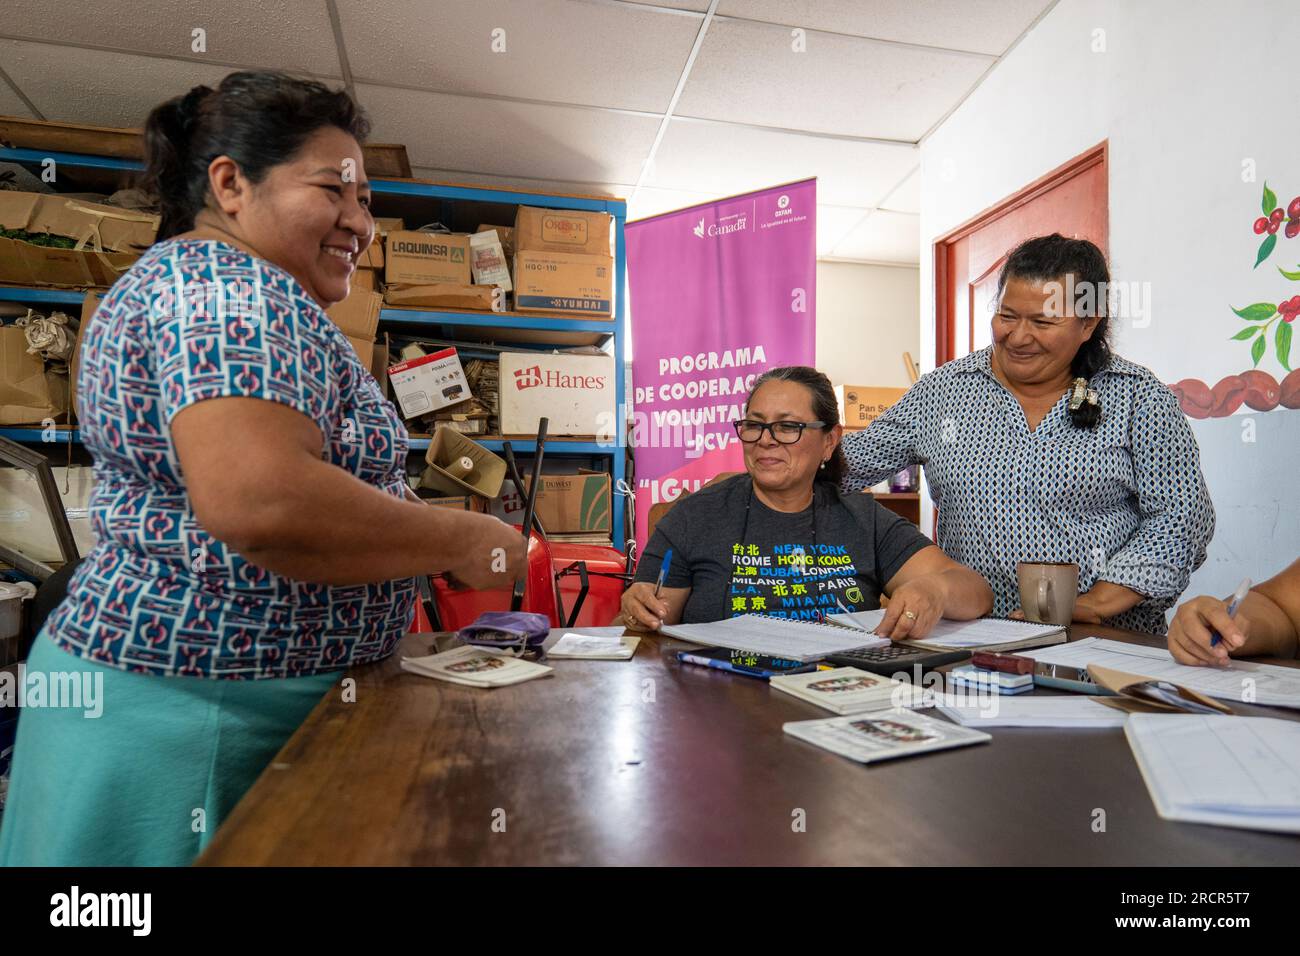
[255, 534]
[1020, 472]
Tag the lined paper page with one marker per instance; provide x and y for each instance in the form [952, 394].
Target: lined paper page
[1242, 681]
[775, 637]
[981, 632]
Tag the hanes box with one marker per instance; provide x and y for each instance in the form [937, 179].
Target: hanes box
[427, 258]
[575, 392]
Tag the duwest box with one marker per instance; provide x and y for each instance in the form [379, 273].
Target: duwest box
[427, 258]
[860, 405]
[566, 504]
[428, 383]
[564, 282]
[562, 230]
[576, 392]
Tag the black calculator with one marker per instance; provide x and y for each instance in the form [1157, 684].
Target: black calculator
[889, 659]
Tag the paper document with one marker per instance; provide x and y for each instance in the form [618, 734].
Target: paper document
[962, 635]
[1227, 771]
[594, 643]
[776, 637]
[1241, 681]
[475, 667]
[1033, 710]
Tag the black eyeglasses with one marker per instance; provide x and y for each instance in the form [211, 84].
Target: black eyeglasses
[787, 433]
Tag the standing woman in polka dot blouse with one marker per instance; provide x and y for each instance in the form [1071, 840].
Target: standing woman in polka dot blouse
[255, 534]
[1025, 466]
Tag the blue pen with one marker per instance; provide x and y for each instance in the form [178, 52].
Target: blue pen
[1237, 597]
[663, 571]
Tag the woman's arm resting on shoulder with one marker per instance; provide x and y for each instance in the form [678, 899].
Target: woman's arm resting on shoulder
[257, 482]
[931, 586]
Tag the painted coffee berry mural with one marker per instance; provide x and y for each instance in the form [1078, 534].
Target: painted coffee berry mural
[1266, 335]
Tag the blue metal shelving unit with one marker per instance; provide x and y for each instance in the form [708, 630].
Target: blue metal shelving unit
[437, 323]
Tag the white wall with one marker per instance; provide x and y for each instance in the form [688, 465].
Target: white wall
[866, 319]
[1186, 91]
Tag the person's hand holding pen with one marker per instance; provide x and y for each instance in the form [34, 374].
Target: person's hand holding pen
[1205, 629]
[643, 606]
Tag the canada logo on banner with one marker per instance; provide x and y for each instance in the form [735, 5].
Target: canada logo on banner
[720, 292]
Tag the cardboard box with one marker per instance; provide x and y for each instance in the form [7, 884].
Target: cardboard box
[507, 236]
[575, 392]
[364, 279]
[446, 295]
[448, 447]
[564, 282]
[373, 257]
[475, 503]
[379, 364]
[358, 314]
[562, 230]
[860, 405]
[566, 504]
[29, 393]
[428, 383]
[365, 349]
[427, 258]
[385, 224]
[113, 237]
[88, 306]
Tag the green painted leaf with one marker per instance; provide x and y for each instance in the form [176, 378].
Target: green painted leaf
[1257, 350]
[1265, 249]
[1246, 333]
[1283, 342]
[1259, 312]
[1270, 200]
[1294, 276]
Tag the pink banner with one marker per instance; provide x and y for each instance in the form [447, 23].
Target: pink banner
[719, 293]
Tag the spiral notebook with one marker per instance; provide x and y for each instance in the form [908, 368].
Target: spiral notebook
[774, 636]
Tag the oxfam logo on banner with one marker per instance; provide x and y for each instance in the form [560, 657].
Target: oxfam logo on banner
[783, 201]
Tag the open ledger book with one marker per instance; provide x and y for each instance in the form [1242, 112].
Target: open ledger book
[774, 636]
[982, 634]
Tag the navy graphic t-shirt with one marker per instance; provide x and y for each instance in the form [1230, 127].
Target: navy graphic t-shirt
[772, 562]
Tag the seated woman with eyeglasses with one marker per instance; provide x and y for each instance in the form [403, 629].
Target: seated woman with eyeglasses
[783, 540]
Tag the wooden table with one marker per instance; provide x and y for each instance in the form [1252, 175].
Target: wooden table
[651, 762]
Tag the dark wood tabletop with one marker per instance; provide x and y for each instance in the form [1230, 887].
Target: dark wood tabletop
[652, 762]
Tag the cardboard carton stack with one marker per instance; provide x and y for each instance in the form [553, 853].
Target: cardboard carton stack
[47, 239]
[563, 262]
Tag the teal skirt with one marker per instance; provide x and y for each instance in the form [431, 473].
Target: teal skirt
[147, 781]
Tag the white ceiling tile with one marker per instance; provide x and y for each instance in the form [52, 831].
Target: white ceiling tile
[10, 104]
[279, 34]
[102, 89]
[582, 53]
[907, 197]
[982, 26]
[698, 6]
[883, 237]
[560, 187]
[652, 202]
[833, 224]
[747, 72]
[499, 138]
[723, 160]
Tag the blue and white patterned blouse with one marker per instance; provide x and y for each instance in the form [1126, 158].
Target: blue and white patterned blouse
[193, 320]
[1126, 500]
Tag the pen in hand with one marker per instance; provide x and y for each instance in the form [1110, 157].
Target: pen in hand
[1237, 596]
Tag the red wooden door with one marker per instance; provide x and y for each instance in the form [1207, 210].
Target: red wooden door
[1072, 200]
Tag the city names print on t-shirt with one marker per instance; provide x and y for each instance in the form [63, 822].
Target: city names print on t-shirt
[800, 581]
